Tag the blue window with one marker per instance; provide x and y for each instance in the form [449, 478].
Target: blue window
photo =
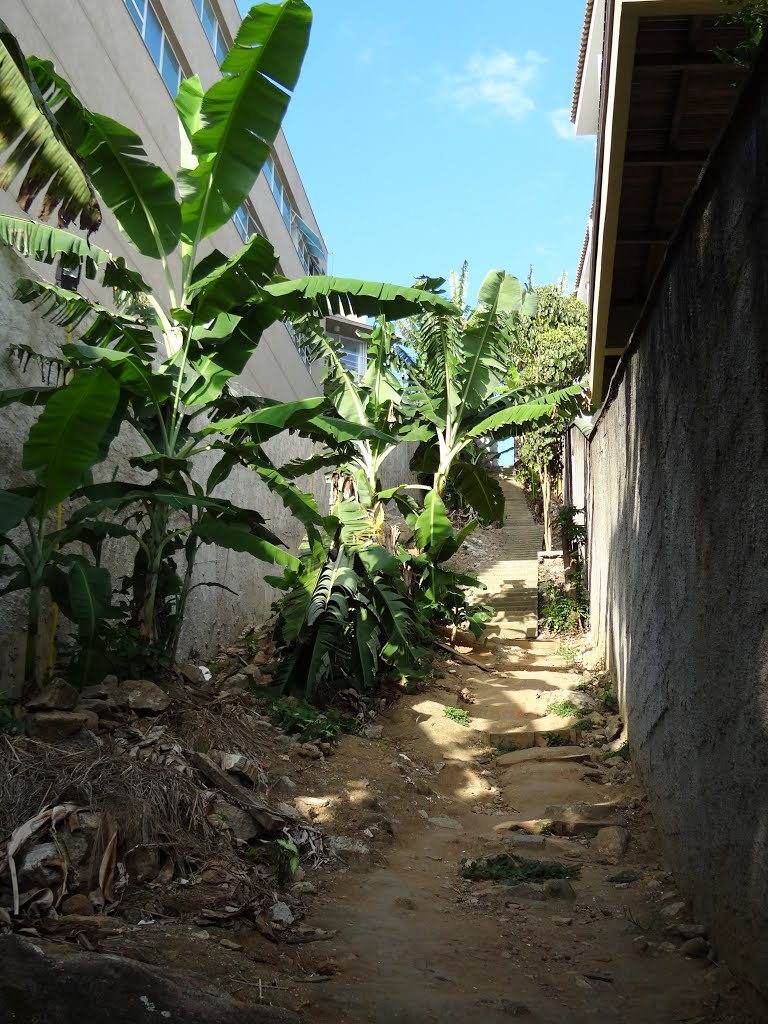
[156, 40]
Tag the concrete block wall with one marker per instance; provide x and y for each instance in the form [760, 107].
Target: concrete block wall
[678, 549]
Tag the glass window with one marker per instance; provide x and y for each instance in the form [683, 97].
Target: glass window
[156, 41]
[220, 48]
[208, 19]
[170, 70]
[352, 355]
[137, 9]
[153, 35]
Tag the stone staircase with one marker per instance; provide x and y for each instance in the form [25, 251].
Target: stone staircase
[513, 583]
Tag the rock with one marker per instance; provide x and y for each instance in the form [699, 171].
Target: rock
[611, 842]
[83, 739]
[373, 732]
[100, 708]
[563, 922]
[78, 904]
[326, 749]
[310, 806]
[592, 661]
[253, 672]
[640, 944]
[41, 867]
[523, 839]
[406, 903]
[309, 750]
[193, 674]
[281, 913]
[304, 888]
[283, 784]
[672, 910]
[58, 696]
[142, 695]
[347, 848]
[444, 822]
[613, 727]
[524, 891]
[689, 931]
[240, 765]
[239, 681]
[105, 690]
[91, 718]
[36, 986]
[696, 948]
[229, 944]
[239, 822]
[50, 726]
[667, 947]
[559, 888]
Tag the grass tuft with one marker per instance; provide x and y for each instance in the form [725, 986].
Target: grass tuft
[510, 869]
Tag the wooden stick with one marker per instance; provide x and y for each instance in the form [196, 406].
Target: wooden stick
[465, 658]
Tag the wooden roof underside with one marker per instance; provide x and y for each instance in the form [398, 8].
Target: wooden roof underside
[682, 94]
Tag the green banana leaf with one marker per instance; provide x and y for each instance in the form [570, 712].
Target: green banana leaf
[241, 114]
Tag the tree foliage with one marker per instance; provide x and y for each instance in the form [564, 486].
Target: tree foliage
[551, 352]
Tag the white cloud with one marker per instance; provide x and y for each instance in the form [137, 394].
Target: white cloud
[561, 122]
[498, 81]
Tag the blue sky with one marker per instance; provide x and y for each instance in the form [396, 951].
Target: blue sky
[431, 132]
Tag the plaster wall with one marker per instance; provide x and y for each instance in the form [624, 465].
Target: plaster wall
[678, 543]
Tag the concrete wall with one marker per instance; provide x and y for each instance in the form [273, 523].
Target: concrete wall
[679, 545]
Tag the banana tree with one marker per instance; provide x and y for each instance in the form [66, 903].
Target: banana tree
[215, 309]
[377, 403]
[62, 445]
[460, 386]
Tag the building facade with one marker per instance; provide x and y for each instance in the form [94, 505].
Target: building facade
[125, 59]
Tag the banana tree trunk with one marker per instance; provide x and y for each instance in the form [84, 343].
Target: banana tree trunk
[546, 490]
[33, 629]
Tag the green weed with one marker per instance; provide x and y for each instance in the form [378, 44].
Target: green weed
[607, 698]
[459, 715]
[566, 708]
[568, 653]
[554, 739]
[282, 853]
[299, 716]
[505, 867]
[585, 725]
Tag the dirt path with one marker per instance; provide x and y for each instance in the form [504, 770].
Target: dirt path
[417, 943]
[385, 927]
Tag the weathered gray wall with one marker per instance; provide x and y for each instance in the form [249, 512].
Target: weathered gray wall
[679, 545]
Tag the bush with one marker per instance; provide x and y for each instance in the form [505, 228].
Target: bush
[565, 610]
[299, 716]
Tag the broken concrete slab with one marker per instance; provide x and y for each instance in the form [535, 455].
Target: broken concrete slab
[543, 754]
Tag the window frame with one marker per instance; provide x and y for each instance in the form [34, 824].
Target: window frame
[139, 19]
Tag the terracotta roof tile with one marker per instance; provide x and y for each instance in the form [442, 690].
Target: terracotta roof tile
[582, 55]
